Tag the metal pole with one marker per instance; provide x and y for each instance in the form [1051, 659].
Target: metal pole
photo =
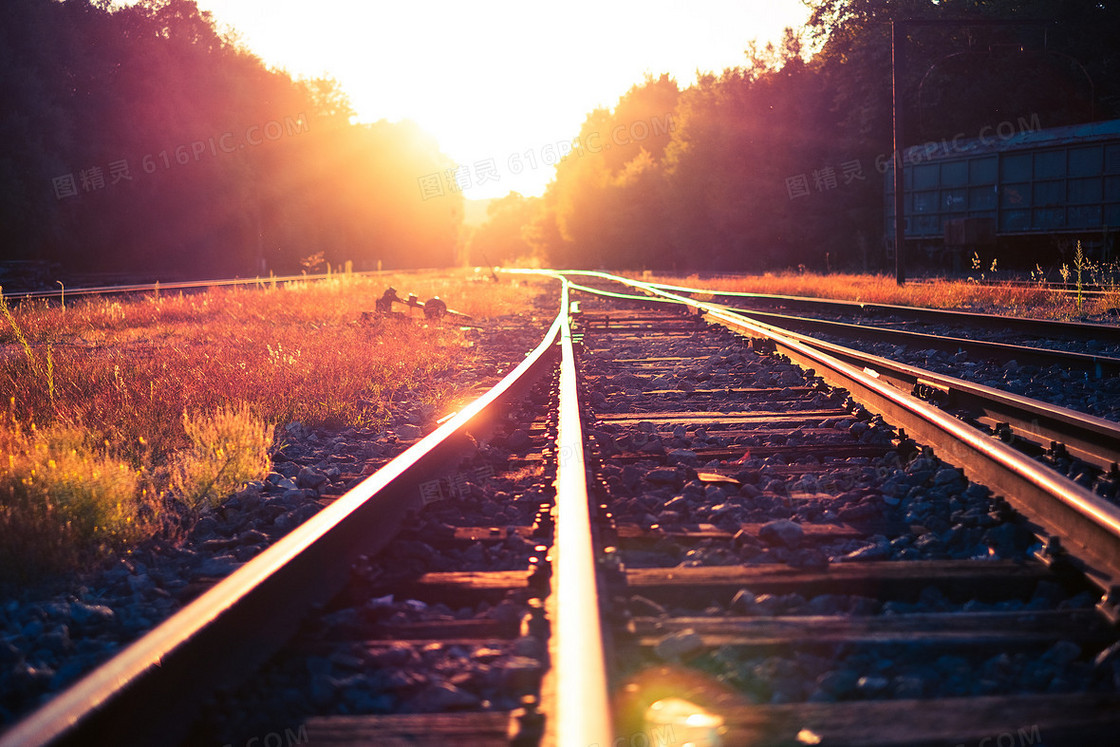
[898, 66]
[898, 61]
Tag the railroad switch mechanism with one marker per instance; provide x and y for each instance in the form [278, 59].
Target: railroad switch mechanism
[1109, 606]
[434, 308]
[763, 345]
[932, 392]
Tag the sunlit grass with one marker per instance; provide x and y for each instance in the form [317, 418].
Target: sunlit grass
[169, 401]
[228, 448]
[1033, 300]
[64, 498]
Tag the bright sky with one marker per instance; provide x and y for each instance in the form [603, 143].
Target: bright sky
[500, 79]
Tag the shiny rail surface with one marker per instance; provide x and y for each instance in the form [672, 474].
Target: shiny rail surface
[582, 710]
[1009, 416]
[679, 624]
[1096, 366]
[1042, 327]
[149, 692]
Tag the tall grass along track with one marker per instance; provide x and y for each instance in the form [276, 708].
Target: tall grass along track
[93, 601]
[148, 693]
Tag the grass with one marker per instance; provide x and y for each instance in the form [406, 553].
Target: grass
[125, 416]
[228, 448]
[64, 499]
[1033, 300]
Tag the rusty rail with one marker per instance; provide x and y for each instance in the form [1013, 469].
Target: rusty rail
[582, 704]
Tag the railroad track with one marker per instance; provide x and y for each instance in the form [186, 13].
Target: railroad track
[1082, 446]
[1038, 428]
[153, 691]
[775, 563]
[756, 629]
[890, 316]
[1094, 365]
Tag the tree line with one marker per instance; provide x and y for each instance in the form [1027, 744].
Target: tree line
[139, 139]
[779, 163]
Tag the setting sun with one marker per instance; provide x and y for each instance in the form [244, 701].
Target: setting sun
[500, 82]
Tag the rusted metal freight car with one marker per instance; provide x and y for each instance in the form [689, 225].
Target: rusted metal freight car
[1017, 196]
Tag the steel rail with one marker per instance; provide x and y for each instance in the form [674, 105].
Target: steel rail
[1098, 365]
[177, 285]
[582, 703]
[150, 691]
[1086, 437]
[1041, 327]
[1013, 417]
[1086, 524]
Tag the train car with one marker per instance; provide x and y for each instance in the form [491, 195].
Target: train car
[1016, 195]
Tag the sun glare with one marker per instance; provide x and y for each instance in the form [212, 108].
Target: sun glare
[502, 84]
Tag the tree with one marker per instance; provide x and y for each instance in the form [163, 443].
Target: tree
[504, 237]
[140, 139]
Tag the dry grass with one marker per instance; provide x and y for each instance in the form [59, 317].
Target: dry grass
[228, 448]
[170, 400]
[1008, 298]
[63, 499]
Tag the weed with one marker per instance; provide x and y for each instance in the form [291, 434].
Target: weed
[166, 401]
[977, 266]
[1026, 299]
[65, 501]
[1083, 265]
[228, 448]
[41, 370]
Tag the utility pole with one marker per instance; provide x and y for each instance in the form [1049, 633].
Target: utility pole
[898, 54]
[898, 69]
